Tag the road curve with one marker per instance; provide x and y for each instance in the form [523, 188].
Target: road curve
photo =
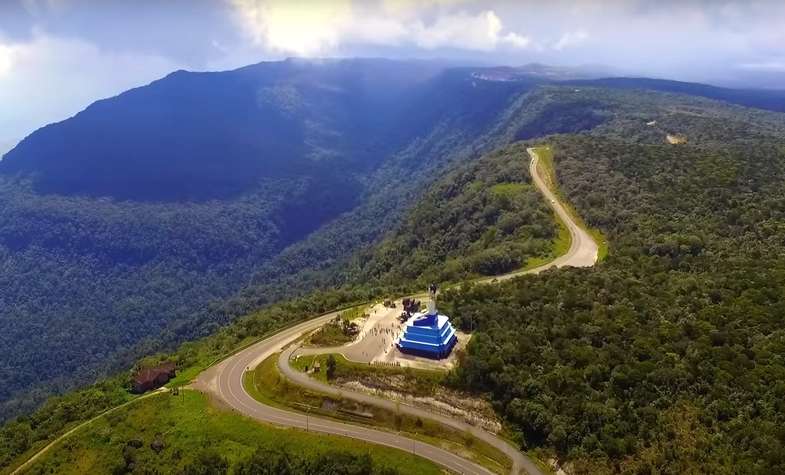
[583, 251]
[519, 460]
[225, 380]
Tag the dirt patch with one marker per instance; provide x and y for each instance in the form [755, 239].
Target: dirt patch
[676, 139]
[472, 409]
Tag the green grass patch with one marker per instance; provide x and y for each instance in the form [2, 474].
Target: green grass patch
[339, 331]
[508, 190]
[419, 382]
[267, 385]
[187, 425]
[563, 239]
[351, 314]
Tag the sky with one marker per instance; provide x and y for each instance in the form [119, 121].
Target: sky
[58, 56]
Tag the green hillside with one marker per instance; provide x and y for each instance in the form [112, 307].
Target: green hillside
[127, 227]
[184, 434]
[667, 358]
[483, 219]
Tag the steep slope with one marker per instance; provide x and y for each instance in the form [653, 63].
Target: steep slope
[199, 136]
[667, 357]
[128, 228]
[485, 218]
[125, 226]
[656, 361]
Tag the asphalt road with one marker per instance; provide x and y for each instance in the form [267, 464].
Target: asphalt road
[583, 249]
[225, 380]
[519, 460]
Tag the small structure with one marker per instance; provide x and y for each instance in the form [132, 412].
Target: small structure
[152, 378]
[411, 305]
[429, 333]
[317, 367]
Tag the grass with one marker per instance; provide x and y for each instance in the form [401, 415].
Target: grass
[563, 240]
[508, 190]
[421, 382]
[333, 332]
[268, 386]
[209, 355]
[548, 170]
[330, 334]
[188, 424]
[355, 312]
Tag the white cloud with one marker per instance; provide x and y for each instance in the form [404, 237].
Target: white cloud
[481, 32]
[304, 27]
[313, 28]
[570, 39]
[770, 66]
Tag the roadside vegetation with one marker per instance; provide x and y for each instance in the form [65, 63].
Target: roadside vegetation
[668, 357]
[481, 220]
[267, 385]
[24, 436]
[550, 176]
[184, 434]
[418, 381]
[428, 389]
[339, 331]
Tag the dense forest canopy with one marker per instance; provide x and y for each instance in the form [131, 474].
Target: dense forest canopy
[125, 228]
[482, 219]
[93, 275]
[670, 356]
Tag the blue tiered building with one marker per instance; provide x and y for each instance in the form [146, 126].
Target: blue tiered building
[428, 334]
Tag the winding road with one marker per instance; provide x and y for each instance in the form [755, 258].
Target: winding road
[583, 251]
[225, 380]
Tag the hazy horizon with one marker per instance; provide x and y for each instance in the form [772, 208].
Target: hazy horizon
[58, 56]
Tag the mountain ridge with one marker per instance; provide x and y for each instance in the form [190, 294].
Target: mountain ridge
[153, 273]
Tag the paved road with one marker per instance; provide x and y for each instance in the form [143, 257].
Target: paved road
[225, 379]
[520, 461]
[583, 249]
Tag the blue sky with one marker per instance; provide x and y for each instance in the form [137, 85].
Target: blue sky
[57, 56]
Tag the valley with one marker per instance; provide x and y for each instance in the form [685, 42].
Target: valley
[621, 320]
[226, 380]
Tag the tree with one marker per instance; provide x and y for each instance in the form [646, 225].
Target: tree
[208, 462]
[331, 365]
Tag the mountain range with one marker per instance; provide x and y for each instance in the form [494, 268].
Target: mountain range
[158, 215]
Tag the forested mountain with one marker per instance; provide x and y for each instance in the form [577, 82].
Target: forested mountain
[159, 215]
[665, 358]
[668, 357]
[760, 98]
[486, 218]
[200, 136]
[125, 227]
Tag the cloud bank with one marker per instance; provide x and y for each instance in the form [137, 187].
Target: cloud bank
[57, 56]
[317, 28]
